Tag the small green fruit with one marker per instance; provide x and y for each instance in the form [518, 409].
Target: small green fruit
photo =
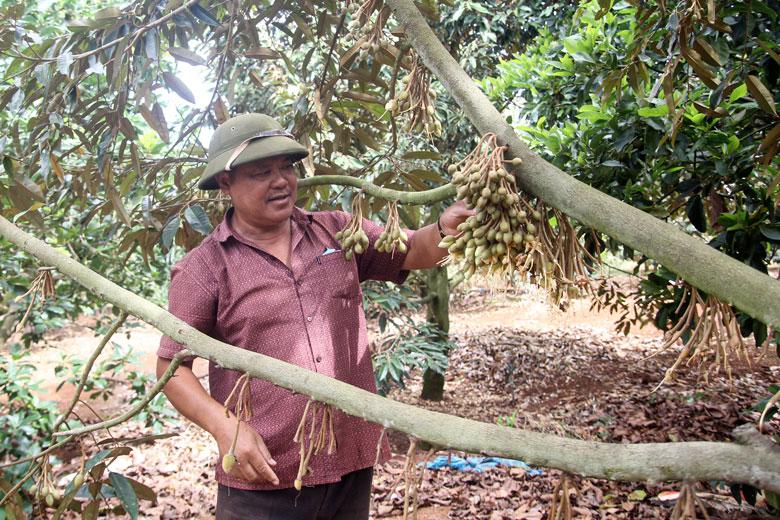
[228, 461]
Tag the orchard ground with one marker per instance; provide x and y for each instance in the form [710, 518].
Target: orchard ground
[519, 362]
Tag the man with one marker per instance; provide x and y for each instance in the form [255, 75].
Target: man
[271, 278]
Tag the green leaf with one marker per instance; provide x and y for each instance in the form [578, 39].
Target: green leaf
[771, 232]
[761, 94]
[367, 139]
[613, 164]
[204, 15]
[574, 44]
[142, 491]
[592, 113]
[773, 499]
[422, 154]
[78, 25]
[759, 332]
[659, 111]
[116, 202]
[428, 175]
[662, 317]
[169, 231]
[103, 454]
[91, 510]
[29, 187]
[582, 57]
[178, 86]
[125, 492]
[155, 118]
[197, 218]
[262, 53]
[186, 55]
[738, 93]
[108, 13]
[728, 220]
[104, 18]
[151, 44]
[733, 144]
[695, 211]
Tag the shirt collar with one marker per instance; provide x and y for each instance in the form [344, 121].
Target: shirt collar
[225, 231]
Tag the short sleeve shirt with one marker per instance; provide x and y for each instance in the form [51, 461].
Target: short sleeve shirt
[310, 315]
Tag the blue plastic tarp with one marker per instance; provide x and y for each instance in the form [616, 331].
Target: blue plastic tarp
[478, 464]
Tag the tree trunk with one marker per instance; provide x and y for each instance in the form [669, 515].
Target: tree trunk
[756, 463]
[439, 314]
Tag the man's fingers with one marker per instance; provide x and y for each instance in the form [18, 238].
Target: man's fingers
[454, 215]
[264, 451]
[463, 209]
[248, 472]
[262, 461]
[253, 461]
[264, 471]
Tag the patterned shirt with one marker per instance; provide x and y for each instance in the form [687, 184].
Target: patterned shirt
[310, 315]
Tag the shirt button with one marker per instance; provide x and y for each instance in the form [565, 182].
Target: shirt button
[318, 359]
[308, 318]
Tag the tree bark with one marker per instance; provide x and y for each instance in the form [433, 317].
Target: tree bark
[431, 196]
[700, 265]
[438, 287]
[757, 465]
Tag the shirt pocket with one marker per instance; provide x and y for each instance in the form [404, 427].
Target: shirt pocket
[337, 276]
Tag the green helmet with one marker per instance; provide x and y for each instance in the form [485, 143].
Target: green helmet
[246, 138]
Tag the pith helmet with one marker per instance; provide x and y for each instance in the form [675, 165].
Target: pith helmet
[244, 139]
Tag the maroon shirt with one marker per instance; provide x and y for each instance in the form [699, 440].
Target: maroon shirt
[310, 315]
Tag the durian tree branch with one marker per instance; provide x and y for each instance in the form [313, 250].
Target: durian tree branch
[699, 264]
[755, 464]
[404, 197]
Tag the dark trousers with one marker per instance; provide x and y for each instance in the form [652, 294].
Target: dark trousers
[348, 499]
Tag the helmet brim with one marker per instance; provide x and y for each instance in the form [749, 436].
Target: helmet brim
[255, 150]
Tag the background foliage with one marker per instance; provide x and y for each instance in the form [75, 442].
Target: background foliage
[668, 106]
[668, 111]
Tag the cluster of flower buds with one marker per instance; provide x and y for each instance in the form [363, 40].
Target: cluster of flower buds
[503, 227]
[240, 399]
[362, 30]
[556, 260]
[392, 237]
[44, 490]
[418, 101]
[352, 238]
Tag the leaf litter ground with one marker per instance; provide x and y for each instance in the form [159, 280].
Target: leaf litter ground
[562, 373]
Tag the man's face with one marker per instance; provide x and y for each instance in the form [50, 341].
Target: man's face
[263, 192]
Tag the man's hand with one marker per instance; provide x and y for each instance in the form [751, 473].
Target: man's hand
[424, 252]
[184, 391]
[253, 460]
[454, 215]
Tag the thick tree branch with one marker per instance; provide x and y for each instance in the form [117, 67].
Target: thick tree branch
[404, 197]
[700, 265]
[694, 461]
